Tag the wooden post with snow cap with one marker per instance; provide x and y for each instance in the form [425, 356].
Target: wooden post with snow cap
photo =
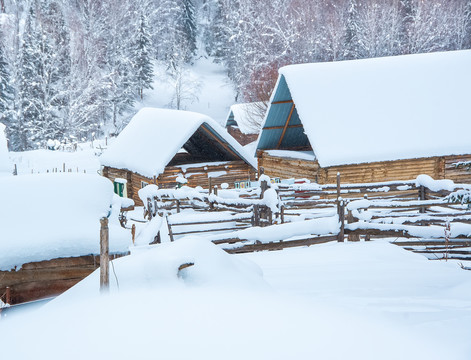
[104, 256]
[215, 190]
[340, 211]
[8, 295]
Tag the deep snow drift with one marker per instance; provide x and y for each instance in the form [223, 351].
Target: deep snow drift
[314, 303]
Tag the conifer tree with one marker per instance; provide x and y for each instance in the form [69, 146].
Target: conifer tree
[143, 65]
[6, 90]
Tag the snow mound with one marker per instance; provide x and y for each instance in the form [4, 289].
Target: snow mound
[157, 267]
[198, 314]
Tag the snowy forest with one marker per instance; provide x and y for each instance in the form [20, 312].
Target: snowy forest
[71, 69]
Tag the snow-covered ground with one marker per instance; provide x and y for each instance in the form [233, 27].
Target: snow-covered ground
[368, 300]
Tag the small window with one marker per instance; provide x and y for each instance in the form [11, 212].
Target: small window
[143, 184]
[120, 187]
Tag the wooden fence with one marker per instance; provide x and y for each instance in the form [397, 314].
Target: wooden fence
[405, 210]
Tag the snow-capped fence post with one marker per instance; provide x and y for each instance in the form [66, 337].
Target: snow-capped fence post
[215, 190]
[8, 295]
[341, 205]
[338, 193]
[15, 170]
[104, 256]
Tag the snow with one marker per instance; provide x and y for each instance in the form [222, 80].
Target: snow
[333, 301]
[47, 216]
[302, 155]
[43, 161]
[322, 226]
[154, 136]
[434, 185]
[5, 164]
[210, 91]
[247, 116]
[383, 109]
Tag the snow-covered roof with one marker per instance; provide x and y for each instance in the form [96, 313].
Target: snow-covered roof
[47, 216]
[5, 164]
[370, 110]
[154, 136]
[248, 117]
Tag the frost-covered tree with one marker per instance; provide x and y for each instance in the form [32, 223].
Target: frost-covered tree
[28, 130]
[6, 90]
[143, 66]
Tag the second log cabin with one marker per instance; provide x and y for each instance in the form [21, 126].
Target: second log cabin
[170, 148]
[372, 120]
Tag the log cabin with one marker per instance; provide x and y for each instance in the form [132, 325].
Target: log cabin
[50, 233]
[244, 120]
[372, 120]
[174, 147]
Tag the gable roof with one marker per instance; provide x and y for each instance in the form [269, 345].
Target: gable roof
[153, 137]
[370, 110]
[248, 117]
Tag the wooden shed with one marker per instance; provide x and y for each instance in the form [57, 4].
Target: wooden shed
[371, 120]
[244, 121]
[173, 147]
[50, 233]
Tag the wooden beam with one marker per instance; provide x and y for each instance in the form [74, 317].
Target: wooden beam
[285, 127]
[282, 127]
[281, 102]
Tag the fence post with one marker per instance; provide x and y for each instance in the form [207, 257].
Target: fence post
[341, 235]
[149, 209]
[170, 232]
[422, 197]
[15, 170]
[178, 206]
[338, 193]
[350, 219]
[8, 295]
[104, 256]
[256, 214]
[215, 190]
[210, 186]
[133, 233]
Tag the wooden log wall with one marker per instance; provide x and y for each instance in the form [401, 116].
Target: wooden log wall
[436, 167]
[286, 168]
[196, 176]
[458, 175]
[38, 280]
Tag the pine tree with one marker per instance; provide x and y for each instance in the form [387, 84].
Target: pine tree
[31, 118]
[189, 29]
[6, 90]
[142, 61]
[351, 40]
